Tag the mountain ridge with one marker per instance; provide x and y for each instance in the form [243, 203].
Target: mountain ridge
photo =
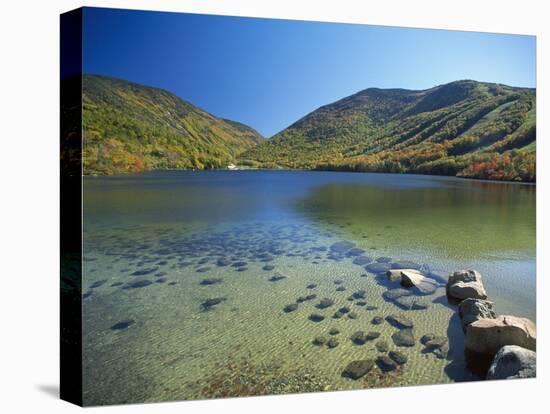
[462, 128]
[130, 127]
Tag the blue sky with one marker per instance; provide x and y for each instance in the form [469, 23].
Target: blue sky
[269, 73]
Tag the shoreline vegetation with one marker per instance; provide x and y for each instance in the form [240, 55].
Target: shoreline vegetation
[464, 129]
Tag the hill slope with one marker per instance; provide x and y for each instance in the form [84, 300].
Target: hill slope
[130, 128]
[464, 128]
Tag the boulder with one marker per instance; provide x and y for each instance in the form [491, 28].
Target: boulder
[413, 278]
[466, 284]
[470, 310]
[403, 337]
[357, 369]
[487, 336]
[399, 321]
[513, 361]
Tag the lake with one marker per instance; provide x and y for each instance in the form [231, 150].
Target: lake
[184, 294]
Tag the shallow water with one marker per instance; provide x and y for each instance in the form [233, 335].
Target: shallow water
[172, 228]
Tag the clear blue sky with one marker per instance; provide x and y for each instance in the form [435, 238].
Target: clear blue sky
[269, 73]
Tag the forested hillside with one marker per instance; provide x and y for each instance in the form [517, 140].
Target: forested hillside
[131, 128]
[464, 128]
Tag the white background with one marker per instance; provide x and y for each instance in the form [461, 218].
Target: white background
[29, 205]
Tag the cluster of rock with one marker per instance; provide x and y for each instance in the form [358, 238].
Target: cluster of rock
[506, 343]
[414, 284]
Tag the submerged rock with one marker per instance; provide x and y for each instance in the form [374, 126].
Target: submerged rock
[208, 304]
[276, 278]
[377, 320]
[143, 272]
[290, 308]
[315, 317]
[319, 340]
[382, 346]
[355, 251]
[385, 363]
[377, 268]
[211, 281]
[405, 264]
[306, 298]
[466, 284]
[352, 315]
[371, 335]
[513, 361]
[341, 247]
[324, 303]
[311, 286]
[137, 284]
[223, 262]
[340, 288]
[358, 338]
[398, 357]
[470, 310]
[403, 337]
[122, 324]
[399, 321]
[362, 260]
[384, 259]
[98, 284]
[487, 336]
[334, 331]
[357, 369]
[332, 343]
[268, 267]
[360, 294]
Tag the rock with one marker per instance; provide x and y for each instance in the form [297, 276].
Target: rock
[223, 262]
[377, 320]
[337, 315]
[122, 324]
[210, 303]
[268, 267]
[398, 357]
[338, 281]
[276, 278]
[358, 338]
[332, 343]
[360, 294]
[239, 264]
[143, 272]
[355, 251]
[399, 321]
[341, 247]
[211, 281]
[513, 361]
[442, 351]
[470, 310]
[306, 298]
[324, 303]
[434, 343]
[403, 337]
[466, 284]
[361, 303]
[352, 315]
[382, 346]
[426, 338]
[290, 308]
[319, 340]
[362, 260]
[98, 284]
[394, 275]
[344, 309]
[334, 331]
[311, 286]
[385, 363]
[357, 369]
[377, 268]
[487, 336]
[384, 259]
[315, 317]
[137, 284]
[340, 288]
[405, 264]
[371, 335]
[393, 294]
[423, 284]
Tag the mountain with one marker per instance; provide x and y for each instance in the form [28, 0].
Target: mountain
[463, 128]
[130, 128]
